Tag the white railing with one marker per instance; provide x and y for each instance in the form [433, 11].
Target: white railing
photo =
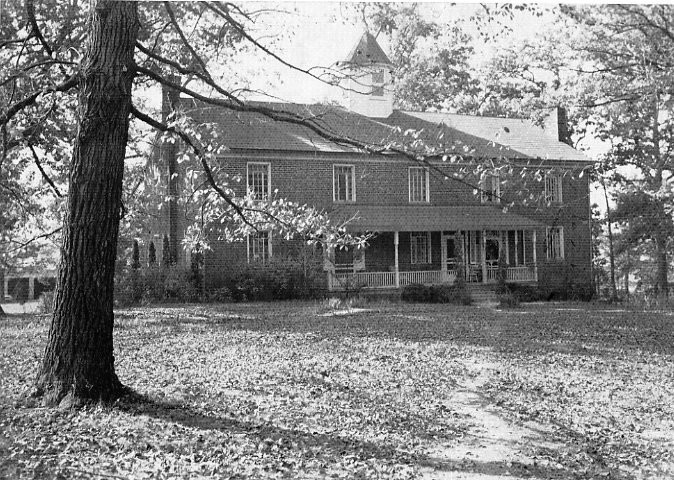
[348, 280]
[343, 281]
[523, 273]
[427, 277]
[356, 280]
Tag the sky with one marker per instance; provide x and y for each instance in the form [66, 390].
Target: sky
[315, 34]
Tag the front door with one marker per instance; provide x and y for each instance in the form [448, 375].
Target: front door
[448, 253]
[492, 251]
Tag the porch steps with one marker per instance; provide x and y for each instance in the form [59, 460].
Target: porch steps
[482, 294]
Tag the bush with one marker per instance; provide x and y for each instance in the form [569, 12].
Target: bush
[508, 300]
[154, 284]
[524, 293]
[280, 279]
[456, 294]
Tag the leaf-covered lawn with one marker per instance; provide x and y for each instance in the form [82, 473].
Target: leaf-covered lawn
[279, 391]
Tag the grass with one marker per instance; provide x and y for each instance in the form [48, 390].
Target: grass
[281, 391]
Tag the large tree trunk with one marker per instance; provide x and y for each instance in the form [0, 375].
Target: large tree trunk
[78, 361]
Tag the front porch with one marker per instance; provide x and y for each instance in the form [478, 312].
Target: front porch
[478, 256]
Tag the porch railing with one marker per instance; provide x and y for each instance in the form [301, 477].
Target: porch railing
[522, 273]
[374, 280]
[347, 280]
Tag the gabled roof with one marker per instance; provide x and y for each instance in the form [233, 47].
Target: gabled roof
[466, 135]
[367, 52]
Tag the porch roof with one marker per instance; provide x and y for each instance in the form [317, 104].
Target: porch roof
[413, 218]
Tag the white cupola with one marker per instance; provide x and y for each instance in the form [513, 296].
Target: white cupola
[368, 79]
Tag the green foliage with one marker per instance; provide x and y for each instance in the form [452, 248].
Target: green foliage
[456, 294]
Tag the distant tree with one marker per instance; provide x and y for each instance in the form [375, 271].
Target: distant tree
[135, 256]
[196, 267]
[151, 255]
[166, 252]
[430, 60]
[626, 66]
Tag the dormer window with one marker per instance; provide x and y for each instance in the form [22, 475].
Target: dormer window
[378, 78]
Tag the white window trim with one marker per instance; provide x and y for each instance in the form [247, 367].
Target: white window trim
[248, 247]
[549, 195]
[266, 164]
[429, 258]
[484, 188]
[549, 252]
[427, 195]
[353, 183]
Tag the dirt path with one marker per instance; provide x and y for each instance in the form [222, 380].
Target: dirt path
[495, 446]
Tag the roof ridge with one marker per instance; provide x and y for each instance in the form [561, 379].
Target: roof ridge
[412, 112]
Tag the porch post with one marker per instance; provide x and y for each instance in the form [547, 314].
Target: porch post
[484, 256]
[534, 251]
[396, 241]
[31, 288]
[507, 248]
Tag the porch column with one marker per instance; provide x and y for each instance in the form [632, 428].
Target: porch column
[507, 248]
[533, 240]
[396, 241]
[484, 256]
[31, 288]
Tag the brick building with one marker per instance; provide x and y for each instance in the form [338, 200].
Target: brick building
[433, 219]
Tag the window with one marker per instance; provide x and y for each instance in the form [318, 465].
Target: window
[378, 83]
[258, 180]
[343, 183]
[419, 184]
[491, 188]
[555, 243]
[259, 247]
[553, 189]
[420, 247]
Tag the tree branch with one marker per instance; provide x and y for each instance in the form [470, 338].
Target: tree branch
[199, 152]
[46, 177]
[25, 244]
[35, 30]
[187, 44]
[69, 83]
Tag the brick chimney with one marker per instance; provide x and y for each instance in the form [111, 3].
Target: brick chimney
[556, 125]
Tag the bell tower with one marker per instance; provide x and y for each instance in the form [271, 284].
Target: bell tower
[368, 79]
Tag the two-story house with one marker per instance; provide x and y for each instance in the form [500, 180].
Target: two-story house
[526, 216]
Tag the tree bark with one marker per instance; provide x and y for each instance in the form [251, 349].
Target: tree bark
[78, 361]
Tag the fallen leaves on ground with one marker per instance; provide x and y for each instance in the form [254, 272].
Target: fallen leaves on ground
[278, 391]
